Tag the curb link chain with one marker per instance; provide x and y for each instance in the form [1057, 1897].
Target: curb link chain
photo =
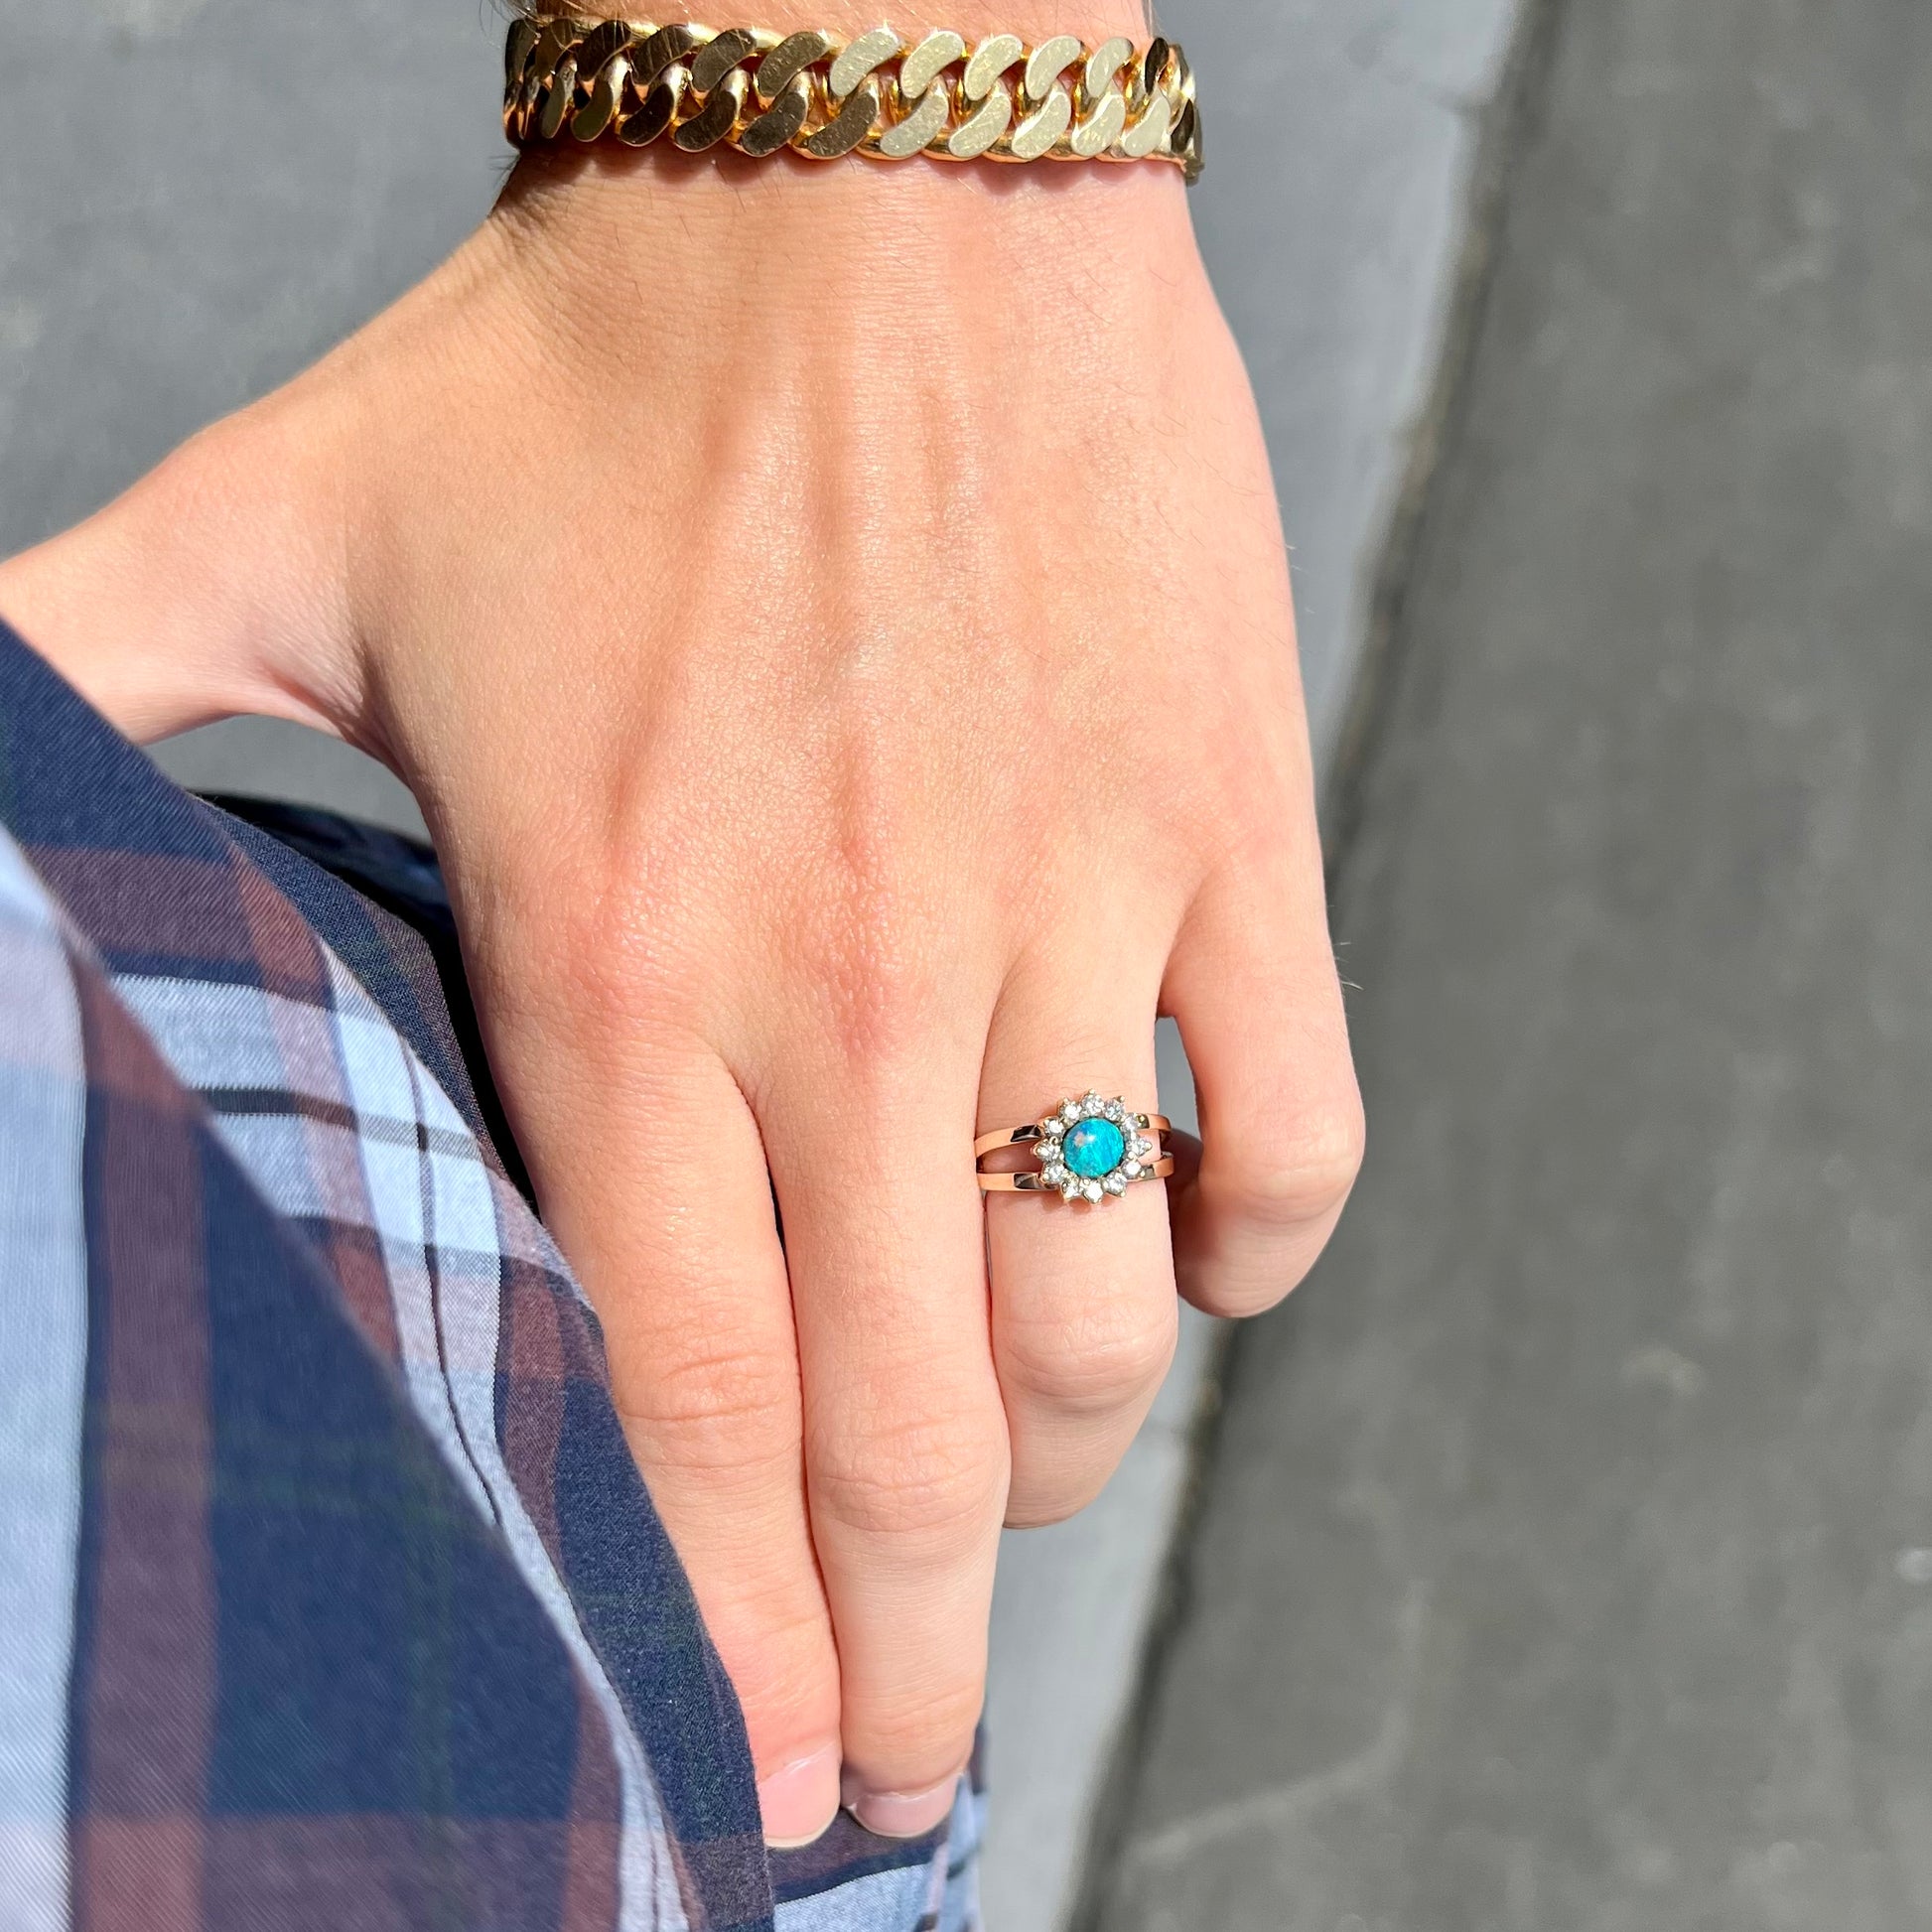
[758, 92]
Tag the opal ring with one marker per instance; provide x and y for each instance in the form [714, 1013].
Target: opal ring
[1087, 1148]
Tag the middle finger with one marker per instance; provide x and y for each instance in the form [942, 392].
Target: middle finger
[906, 1448]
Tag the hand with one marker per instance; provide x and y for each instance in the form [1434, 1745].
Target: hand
[836, 623]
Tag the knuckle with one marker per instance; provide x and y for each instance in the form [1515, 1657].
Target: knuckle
[916, 1735]
[863, 930]
[778, 1617]
[932, 1475]
[1104, 1355]
[1291, 1169]
[715, 1406]
[877, 992]
[610, 897]
[1038, 1506]
[783, 1665]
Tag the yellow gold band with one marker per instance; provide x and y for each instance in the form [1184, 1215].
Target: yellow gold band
[1033, 1184]
[1029, 1134]
[943, 98]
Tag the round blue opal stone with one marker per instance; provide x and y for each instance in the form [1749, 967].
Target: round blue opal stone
[1094, 1148]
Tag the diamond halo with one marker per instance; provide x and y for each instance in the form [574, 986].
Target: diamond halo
[1075, 1141]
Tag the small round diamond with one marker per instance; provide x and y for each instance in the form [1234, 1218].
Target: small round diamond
[1072, 1188]
[1115, 1112]
[1055, 1175]
[1070, 1111]
[1114, 1183]
[1092, 1189]
[1132, 1170]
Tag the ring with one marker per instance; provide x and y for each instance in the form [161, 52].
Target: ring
[1087, 1148]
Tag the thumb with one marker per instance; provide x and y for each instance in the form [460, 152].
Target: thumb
[213, 586]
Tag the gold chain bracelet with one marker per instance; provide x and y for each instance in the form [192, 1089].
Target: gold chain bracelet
[759, 91]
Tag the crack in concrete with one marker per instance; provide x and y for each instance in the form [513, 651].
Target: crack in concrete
[1277, 1807]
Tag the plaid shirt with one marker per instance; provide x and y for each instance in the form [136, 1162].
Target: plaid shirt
[331, 1596]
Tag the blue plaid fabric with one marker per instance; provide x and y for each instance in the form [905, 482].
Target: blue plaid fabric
[332, 1598]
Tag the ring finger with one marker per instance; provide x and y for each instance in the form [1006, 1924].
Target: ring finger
[1084, 1312]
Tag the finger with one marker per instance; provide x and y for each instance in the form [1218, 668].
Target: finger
[1253, 986]
[906, 1447]
[1084, 1314]
[678, 1249]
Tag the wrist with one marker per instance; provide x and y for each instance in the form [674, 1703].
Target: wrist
[657, 225]
[693, 252]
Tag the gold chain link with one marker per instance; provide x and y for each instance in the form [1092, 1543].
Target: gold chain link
[944, 98]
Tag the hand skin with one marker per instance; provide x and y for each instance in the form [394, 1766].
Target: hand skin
[836, 622]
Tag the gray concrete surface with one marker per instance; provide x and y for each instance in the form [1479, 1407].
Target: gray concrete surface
[213, 235]
[229, 231]
[1564, 1564]
[1330, 216]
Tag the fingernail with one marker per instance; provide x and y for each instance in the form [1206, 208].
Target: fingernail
[800, 1800]
[903, 1814]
